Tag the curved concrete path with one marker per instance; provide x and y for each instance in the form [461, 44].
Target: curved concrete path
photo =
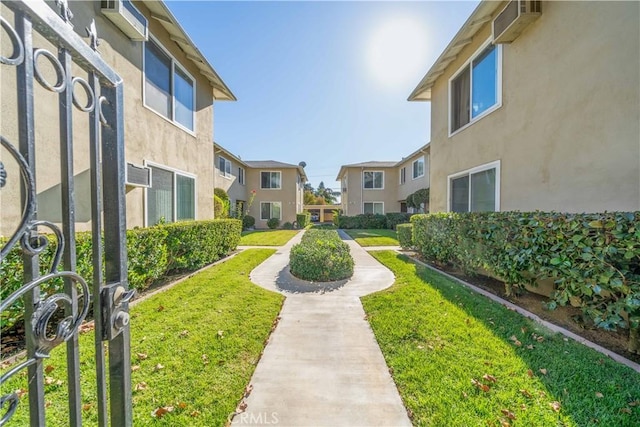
[322, 365]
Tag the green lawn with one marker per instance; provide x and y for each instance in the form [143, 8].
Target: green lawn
[267, 237]
[459, 359]
[193, 347]
[374, 237]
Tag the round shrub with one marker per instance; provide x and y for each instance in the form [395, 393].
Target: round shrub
[405, 235]
[321, 257]
[248, 221]
[273, 223]
[287, 226]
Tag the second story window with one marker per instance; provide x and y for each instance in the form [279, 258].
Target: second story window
[224, 166]
[373, 180]
[475, 89]
[418, 168]
[403, 175]
[241, 176]
[168, 89]
[270, 180]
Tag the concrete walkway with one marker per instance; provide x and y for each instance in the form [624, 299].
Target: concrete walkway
[322, 365]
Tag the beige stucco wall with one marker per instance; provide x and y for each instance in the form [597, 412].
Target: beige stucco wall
[356, 195]
[235, 190]
[412, 185]
[148, 136]
[568, 131]
[289, 195]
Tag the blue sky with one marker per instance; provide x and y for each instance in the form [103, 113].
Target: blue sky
[321, 82]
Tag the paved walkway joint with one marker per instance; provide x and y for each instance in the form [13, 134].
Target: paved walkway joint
[322, 365]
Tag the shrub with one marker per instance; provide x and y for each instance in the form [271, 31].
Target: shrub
[287, 226]
[220, 208]
[273, 223]
[147, 255]
[248, 221]
[321, 256]
[593, 258]
[303, 219]
[404, 232]
[395, 218]
[362, 221]
[221, 193]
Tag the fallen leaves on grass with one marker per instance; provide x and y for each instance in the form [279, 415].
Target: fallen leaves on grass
[158, 367]
[555, 405]
[184, 334]
[52, 381]
[205, 359]
[160, 308]
[142, 356]
[87, 327]
[20, 392]
[48, 369]
[182, 405]
[530, 373]
[248, 390]
[161, 411]
[526, 393]
[135, 368]
[489, 378]
[480, 385]
[220, 334]
[194, 414]
[515, 340]
[543, 371]
[507, 413]
[140, 386]
[86, 406]
[599, 395]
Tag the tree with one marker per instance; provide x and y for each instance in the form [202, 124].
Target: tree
[325, 193]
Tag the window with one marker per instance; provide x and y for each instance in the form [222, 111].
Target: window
[270, 210]
[475, 90]
[224, 167]
[373, 180]
[418, 168]
[168, 89]
[374, 208]
[171, 196]
[476, 190]
[270, 180]
[403, 175]
[241, 176]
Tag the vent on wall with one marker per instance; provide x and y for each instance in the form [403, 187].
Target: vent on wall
[126, 17]
[514, 18]
[138, 176]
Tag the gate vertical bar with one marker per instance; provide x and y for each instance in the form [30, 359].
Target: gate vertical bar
[26, 125]
[96, 236]
[115, 236]
[69, 232]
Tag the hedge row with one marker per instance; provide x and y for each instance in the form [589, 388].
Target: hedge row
[371, 221]
[303, 219]
[152, 253]
[321, 256]
[405, 235]
[593, 258]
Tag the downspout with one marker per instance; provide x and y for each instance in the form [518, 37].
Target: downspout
[362, 189]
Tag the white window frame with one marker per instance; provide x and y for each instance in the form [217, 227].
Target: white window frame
[489, 110]
[224, 172]
[373, 171]
[403, 175]
[175, 190]
[174, 64]
[270, 172]
[493, 165]
[270, 210]
[241, 175]
[373, 203]
[423, 167]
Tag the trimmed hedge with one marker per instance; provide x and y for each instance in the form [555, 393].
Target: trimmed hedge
[303, 219]
[248, 221]
[396, 218]
[405, 235]
[594, 259]
[321, 256]
[152, 253]
[362, 221]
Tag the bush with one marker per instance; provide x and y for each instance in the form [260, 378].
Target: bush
[303, 219]
[222, 194]
[248, 221]
[362, 221]
[593, 258]
[151, 252]
[395, 218]
[287, 226]
[321, 256]
[404, 232]
[220, 208]
[273, 223]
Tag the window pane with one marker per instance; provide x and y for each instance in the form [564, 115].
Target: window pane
[460, 91]
[378, 208]
[186, 197]
[157, 69]
[368, 208]
[378, 180]
[184, 99]
[265, 211]
[483, 191]
[418, 168]
[275, 210]
[275, 180]
[368, 180]
[265, 179]
[221, 165]
[160, 196]
[460, 194]
[485, 75]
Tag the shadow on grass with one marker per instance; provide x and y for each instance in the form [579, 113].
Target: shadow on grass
[591, 388]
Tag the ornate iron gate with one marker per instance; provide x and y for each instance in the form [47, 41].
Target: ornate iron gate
[109, 294]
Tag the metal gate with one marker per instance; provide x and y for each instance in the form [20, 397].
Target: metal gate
[55, 319]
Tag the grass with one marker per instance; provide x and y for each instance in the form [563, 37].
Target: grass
[438, 337]
[267, 237]
[374, 237]
[206, 334]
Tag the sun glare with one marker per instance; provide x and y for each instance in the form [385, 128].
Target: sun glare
[397, 52]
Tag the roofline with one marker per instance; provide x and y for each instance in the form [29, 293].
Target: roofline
[422, 149]
[358, 165]
[480, 16]
[221, 91]
[229, 153]
[220, 148]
